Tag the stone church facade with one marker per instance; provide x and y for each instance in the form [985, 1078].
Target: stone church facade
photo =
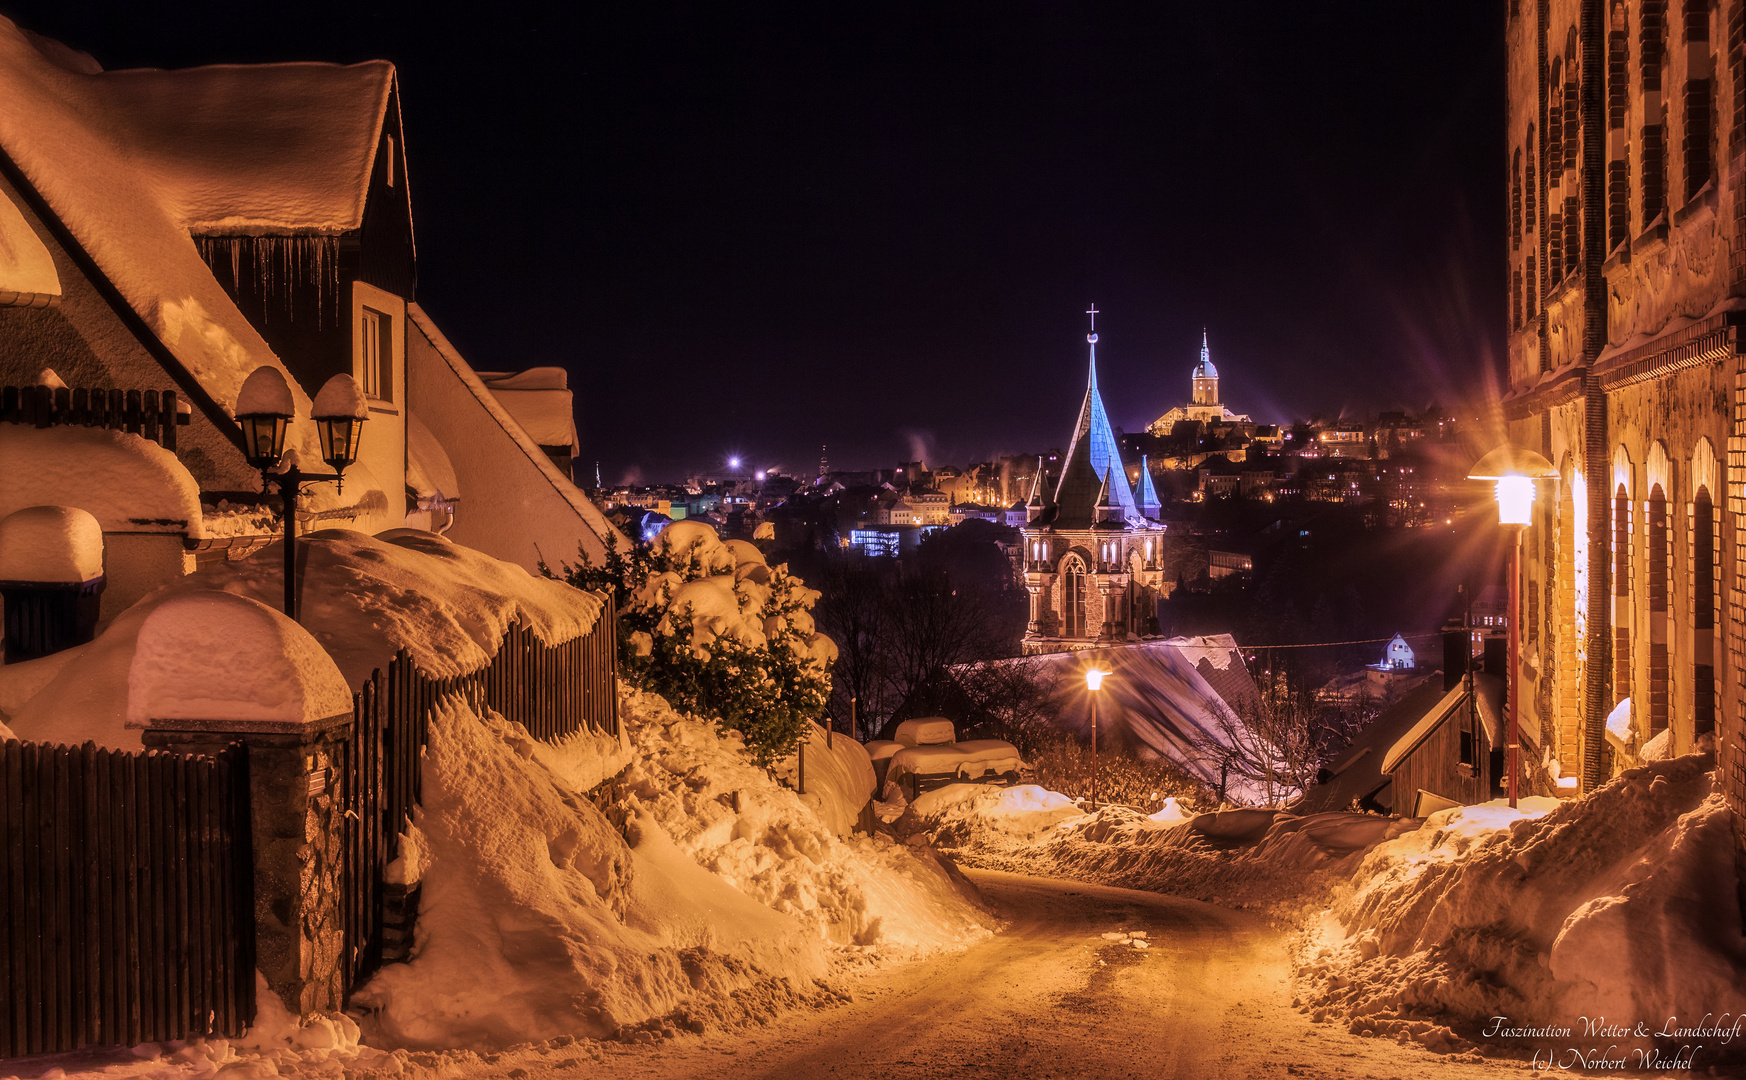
[1092, 546]
[1627, 370]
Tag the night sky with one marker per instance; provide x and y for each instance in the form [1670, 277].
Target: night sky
[760, 228]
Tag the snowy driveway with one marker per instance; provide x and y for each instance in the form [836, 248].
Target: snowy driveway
[1052, 997]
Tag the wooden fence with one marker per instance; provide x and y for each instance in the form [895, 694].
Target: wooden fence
[151, 414]
[126, 896]
[127, 878]
[553, 691]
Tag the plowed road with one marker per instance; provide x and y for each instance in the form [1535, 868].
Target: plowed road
[1051, 997]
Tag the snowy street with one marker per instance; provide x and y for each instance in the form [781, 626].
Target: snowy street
[1049, 997]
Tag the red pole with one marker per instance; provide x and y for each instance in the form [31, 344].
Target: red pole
[1512, 678]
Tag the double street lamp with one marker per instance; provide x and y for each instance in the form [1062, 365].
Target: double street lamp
[1515, 470]
[265, 409]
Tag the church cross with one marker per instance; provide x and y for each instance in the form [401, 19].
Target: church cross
[1093, 313]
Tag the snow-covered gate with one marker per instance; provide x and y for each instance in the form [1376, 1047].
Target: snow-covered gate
[126, 896]
[553, 691]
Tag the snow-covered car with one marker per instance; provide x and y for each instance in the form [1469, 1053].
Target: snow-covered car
[927, 755]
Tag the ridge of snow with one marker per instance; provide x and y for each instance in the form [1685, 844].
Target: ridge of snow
[25, 264]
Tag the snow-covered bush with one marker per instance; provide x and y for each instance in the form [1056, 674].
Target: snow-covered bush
[718, 632]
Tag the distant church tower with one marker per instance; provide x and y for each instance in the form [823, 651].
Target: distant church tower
[1206, 377]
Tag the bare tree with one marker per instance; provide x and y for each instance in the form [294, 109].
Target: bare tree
[1273, 744]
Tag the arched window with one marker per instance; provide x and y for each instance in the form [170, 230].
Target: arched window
[1621, 594]
[1073, 597]
[1657, 580]
[1651, 48]
[1699, 103]
[1618, 176]
[1703, 613]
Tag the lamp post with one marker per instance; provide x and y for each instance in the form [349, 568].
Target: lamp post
[265, 409]
[1094, 682]
[1515, 471]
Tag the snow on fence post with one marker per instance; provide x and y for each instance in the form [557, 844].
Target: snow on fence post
[51, 580]
[212, 669]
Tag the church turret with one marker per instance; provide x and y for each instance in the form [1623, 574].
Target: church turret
[1206, 376]
[1147, 498]
[1104, 509]
[1041, 498]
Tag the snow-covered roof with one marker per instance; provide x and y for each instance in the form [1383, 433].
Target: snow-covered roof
[130, 162]
[26, 268]
[539, 399]
[1163, 698]
[258, 148]
[428, 468]
[1426, 724]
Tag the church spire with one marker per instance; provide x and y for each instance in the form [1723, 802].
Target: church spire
[1091, 343]
[1095, 440]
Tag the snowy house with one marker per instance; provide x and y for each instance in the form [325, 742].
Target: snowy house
[1397, 656]
[172, 231]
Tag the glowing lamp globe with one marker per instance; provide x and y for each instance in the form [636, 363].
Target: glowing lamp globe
[1515, 500]
[264, 408]
[339, 413]
[1515, 470]
[1094, 678]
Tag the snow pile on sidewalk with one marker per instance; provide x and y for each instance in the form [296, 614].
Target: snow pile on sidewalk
[1247, 857]
[775, 846]
[1621, 904]
[692, 890]
[538, 918]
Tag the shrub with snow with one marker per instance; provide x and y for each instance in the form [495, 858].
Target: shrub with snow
[716, 631]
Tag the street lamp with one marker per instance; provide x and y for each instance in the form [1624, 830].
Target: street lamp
[1093, 682]
[1515, 470]
[264, 410]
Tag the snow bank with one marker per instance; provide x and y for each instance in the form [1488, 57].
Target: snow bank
[209, 655]
[1619, 904]
[538, 919]
[839, 778]
[774, 846]
[129, 484]
[50, 544]
[1245, 858]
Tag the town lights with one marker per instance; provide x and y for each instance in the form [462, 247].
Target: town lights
[264, 411]
[1515, 471]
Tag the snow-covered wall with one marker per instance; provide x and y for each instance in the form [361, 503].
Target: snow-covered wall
[515, 504]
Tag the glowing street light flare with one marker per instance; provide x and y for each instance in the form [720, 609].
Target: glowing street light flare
[1515, 470]
[1094, 678]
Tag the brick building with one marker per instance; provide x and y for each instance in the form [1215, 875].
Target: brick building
[1627, 370]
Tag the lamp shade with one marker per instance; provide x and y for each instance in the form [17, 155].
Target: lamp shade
[1094, 678]
[339, 413]
[1510, 460]
[264, 408]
